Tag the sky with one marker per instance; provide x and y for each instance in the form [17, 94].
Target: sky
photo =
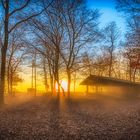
[109, 12]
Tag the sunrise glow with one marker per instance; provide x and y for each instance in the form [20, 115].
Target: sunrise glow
[70, 69]
[63, 85]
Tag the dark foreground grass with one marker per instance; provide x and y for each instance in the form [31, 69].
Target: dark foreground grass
[100, 118]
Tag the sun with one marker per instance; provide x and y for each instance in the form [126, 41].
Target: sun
[64, 84]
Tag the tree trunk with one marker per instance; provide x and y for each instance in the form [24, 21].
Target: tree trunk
[51, 78]
[74, 86]
[130, 72]
[51, 82]
[45, 75]
[11, 83]
[3, 53]
[57, 81]
[134, 74]
[35, 74]
[110, 66]
[2, 82]
[69, 81]
[56, 74]
[8, 81]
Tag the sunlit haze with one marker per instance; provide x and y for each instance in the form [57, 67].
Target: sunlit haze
[69, 69]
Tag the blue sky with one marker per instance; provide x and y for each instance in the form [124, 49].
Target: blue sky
[109, 12]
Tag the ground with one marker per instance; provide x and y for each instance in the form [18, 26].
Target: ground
[98, 118]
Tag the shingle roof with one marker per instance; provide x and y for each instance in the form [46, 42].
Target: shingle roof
[107, 81]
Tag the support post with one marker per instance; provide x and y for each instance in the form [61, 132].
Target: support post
[87, 89]
[96, 89]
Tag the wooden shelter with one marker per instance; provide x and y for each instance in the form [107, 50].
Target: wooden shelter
[111, 85]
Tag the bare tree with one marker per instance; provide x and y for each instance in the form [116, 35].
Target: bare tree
[45, 74]
[132, 53]
[49, 33]
[87, 63]
[11, 9]
[15, 55]
[80, 26]
[131, 11]
[111, 35]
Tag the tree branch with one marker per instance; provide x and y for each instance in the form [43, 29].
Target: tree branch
[24, 20]
[30, 17]
[2, 4]
[20, 8]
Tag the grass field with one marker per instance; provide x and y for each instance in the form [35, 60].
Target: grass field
[96, 118]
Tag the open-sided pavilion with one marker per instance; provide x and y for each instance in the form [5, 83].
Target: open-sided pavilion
[100, 84]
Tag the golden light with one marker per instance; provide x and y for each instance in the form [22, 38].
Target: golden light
[64, 85]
